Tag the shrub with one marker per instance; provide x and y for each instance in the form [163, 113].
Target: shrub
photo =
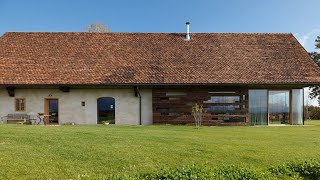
[207, 172]
[237, 172]
[283, 172]
[292, 170]
[306, 170]
[188, 172]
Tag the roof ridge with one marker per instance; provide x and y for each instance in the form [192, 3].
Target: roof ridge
[66, 32]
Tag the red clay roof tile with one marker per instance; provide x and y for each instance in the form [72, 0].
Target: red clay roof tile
[154, 58]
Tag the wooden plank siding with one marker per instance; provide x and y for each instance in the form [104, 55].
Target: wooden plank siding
[174, 106]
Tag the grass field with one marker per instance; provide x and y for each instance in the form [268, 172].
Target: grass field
[312, 122]
[41, 152]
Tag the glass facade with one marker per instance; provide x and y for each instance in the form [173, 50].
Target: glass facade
[297, 106]
[279, 107]
[258, 107]
[273, 107]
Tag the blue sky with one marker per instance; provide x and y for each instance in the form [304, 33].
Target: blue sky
[300, 17]
[297, 16]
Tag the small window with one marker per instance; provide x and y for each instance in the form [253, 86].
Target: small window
[20, 104]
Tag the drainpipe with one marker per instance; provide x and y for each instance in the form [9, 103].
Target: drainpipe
[137, 94]
[140, 109]
[303, 110]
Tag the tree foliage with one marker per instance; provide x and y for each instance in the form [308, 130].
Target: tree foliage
[315, 56]
[315, 90]
[312, 112]
[197, 112]
[318, 42]
[97, 27]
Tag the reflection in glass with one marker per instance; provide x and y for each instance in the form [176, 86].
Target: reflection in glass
[53, 110]
[297, 106]
[106, 110]
[223, 99]
[225, 108]
[279, 107]
[258, 107]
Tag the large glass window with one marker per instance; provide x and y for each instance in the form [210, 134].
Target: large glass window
[279, 107]
[274, 107]
[258, 107]
[297, 106]
[227, 108]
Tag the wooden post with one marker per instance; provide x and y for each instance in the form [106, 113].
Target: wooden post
[290, 109]
[46, 112]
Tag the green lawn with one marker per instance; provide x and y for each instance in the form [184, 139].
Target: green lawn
[312, 122]
[68, 151]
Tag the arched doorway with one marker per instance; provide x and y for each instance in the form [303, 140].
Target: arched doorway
[106, 110]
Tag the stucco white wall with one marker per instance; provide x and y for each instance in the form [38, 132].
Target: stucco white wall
[70, 109]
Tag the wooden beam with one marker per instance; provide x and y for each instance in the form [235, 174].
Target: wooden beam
[171, 108]
[290, 109]
[227, 116]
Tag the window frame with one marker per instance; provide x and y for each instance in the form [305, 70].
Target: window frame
[18, 108]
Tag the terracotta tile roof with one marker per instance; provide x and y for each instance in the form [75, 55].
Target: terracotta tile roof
[154, 58]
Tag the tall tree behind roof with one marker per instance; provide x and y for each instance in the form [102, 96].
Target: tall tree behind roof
[315, 91]
[97, 27]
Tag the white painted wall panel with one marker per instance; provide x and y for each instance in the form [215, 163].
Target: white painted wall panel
[70, 109]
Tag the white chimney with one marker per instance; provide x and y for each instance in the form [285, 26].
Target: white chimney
[187, 37]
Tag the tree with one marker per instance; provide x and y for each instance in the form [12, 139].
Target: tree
[318, 42]
[315, 90]
[197, 112]
[315, 56]
[97, 27]
[314, 112]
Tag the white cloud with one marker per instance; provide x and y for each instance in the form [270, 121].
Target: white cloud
[307, 40]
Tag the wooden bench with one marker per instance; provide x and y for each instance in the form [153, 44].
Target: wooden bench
[16, 119]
